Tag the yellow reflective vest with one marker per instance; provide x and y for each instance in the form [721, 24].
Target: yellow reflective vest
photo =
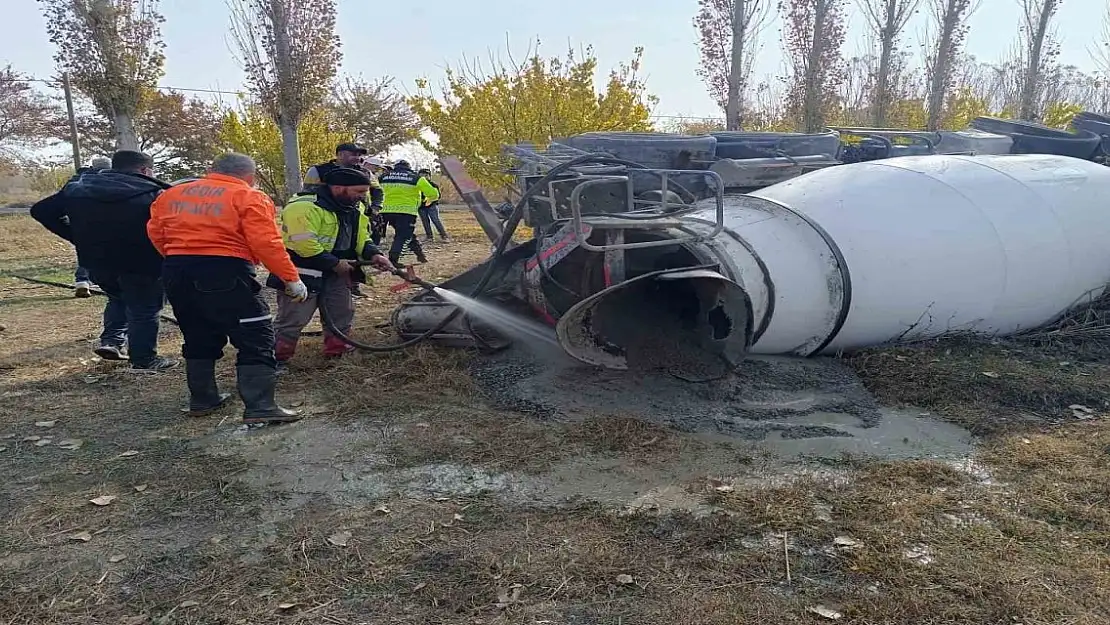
[310, 231]
[402, 189]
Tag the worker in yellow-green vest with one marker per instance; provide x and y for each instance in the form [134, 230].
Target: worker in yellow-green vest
[404, 192]
[326, 234]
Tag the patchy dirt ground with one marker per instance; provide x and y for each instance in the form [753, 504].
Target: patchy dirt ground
[413, 495]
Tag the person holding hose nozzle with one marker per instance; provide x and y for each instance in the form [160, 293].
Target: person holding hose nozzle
[212, 232]
[401, 206]
[326, 234]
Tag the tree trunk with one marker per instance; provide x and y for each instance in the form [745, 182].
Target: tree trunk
[126, 137]
[291, 153]
[882, 82]
[813, 119]
[733, 113]
[938, 81]
[1028, 109]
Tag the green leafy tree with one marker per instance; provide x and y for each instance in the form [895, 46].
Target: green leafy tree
[375, 115]
[112, 51]
[535, 101]
[174, 129]
[252, 131]
[290, 53]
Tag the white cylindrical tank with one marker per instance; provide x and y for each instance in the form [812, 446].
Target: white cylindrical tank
[916, 247]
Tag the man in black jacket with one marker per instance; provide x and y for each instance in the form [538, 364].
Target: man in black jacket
[105, 217]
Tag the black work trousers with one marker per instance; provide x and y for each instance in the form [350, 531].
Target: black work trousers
[404, 232]
[216, 299]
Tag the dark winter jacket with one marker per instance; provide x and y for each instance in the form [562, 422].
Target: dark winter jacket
[107, 214]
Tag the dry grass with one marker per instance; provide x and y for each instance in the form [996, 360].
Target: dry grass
[986, 386]
[1019, 536]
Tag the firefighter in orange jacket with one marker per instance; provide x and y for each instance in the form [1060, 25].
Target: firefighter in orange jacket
[212, 232]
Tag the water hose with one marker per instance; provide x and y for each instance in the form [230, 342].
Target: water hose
[511, 225]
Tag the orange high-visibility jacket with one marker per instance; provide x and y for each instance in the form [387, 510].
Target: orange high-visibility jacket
[220, 215]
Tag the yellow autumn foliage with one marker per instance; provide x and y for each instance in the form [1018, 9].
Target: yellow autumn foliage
[477, 112]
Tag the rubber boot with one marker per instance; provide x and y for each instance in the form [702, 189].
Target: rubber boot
[204, 394]
[256, 386]
[284, 350]
[334, 347]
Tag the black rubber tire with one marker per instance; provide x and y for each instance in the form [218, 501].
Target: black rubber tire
[651, 149]
[741, 145]
[1030, 138]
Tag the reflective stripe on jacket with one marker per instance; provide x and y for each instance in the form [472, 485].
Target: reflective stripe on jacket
[219, 215]
[403, 189]
[310, 228]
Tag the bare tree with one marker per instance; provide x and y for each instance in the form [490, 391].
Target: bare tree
[886, 19]
[1038, 50]
[728, 40]
[814, 34]
[112, 51]
[1101, 53]
[951, 24]
[24, 113]
[290, 53]
[379, 115]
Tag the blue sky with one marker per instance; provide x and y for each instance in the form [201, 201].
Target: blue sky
[410, 40]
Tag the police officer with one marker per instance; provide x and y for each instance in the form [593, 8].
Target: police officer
[326, 234]
[213, 232]
[351, 156]
[401, 207]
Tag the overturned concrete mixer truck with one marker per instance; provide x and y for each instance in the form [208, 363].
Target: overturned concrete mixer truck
[648, 266]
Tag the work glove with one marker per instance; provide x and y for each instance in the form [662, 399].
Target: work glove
[296, 290]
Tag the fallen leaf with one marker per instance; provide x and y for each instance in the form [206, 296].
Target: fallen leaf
[382, 509]
[103, 500]
[7, 437]
[117, 558]
[624, 579]
[828, 613]
[82, 537]
[724, 488]
[286, 606]
[45, 424]
[44, 442]
[71, 444]
[419, 586]
[991, 374]
[901, 358]
[1081, 408]
[128, 454]
[1026, 441]
[458, 517]
[31, 439]
[140, 488]
[443, 499]
[188, 604]
[509, 596]
[844, 541]
[340, 539]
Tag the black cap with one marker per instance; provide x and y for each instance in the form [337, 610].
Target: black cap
[351, 147]
[346, 177]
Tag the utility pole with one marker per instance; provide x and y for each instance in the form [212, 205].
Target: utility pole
[73, 139]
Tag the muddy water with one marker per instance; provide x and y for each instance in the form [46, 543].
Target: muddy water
[778, 420]
[790, 407]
